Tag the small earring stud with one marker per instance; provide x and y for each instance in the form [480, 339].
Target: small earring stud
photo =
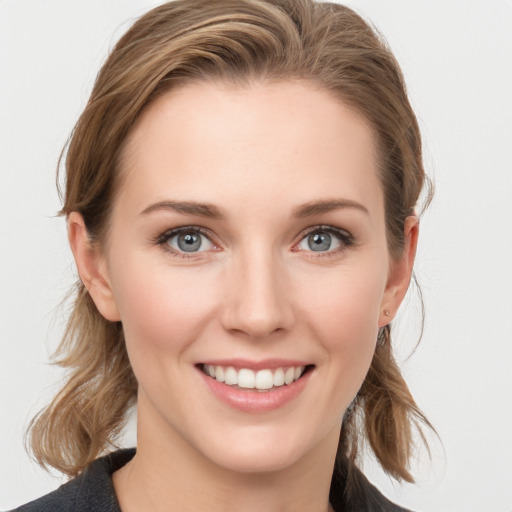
[386, 312]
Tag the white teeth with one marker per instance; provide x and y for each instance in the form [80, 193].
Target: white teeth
[289, 375]
[219, 373]
[231, 376]
[264, 379]
[248, 379]
[278, 379]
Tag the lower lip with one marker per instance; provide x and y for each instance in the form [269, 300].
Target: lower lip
[253, 400]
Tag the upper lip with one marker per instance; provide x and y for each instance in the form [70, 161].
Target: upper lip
[263, 364]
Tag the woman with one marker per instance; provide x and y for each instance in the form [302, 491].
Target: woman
[240, 197]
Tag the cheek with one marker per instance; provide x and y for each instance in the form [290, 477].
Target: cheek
[344, 311]
[345, 303]
[162, 310]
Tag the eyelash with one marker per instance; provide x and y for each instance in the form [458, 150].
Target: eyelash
[163, 239]
[345, 238]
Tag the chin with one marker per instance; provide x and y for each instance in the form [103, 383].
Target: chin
[261, 452]
[263, 461]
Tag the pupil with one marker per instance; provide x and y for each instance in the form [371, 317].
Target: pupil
[319, 242]
[189, 242]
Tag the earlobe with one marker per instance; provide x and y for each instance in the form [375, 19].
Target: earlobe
[400, 272]
[92, 268]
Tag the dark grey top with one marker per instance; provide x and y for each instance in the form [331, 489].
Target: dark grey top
[93, 491]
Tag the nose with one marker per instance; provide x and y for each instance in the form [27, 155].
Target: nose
[258, 301]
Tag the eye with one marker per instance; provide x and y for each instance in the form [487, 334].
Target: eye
[325, 239]
[184, 241]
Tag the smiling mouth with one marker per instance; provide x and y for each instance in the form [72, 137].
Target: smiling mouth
[263, 380]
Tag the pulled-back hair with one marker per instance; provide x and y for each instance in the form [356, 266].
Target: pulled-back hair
[324, 44]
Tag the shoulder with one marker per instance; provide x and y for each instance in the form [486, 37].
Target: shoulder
[358, 496]
[60, 500]
[91, 491]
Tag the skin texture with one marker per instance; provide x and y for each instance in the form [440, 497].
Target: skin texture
[255, 290]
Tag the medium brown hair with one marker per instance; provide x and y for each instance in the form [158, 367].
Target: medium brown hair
[325, 44]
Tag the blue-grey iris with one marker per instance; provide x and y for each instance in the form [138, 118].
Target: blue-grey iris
[319, 241]
[189, 242]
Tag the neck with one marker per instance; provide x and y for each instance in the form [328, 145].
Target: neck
[169, 474]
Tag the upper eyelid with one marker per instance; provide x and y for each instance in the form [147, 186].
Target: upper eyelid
[163, 239]
[344, 236]
[166, 235]
[324, 227]
[343, 233]
[169, 233]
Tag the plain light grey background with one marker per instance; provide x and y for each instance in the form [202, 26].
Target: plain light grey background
[456, 56]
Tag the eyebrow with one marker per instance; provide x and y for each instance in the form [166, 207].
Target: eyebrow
[187, 207]
[325, 206]
[211, 211]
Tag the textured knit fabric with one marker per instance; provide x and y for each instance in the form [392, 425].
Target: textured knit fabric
[93, 491]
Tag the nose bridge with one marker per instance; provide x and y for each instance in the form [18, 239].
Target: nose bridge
[258, 302]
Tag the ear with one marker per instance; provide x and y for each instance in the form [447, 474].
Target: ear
[92, 267]
[400, 272]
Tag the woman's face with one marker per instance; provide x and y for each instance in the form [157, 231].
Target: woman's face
[248, 242]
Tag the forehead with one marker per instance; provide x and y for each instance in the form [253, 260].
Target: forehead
[287, 141]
